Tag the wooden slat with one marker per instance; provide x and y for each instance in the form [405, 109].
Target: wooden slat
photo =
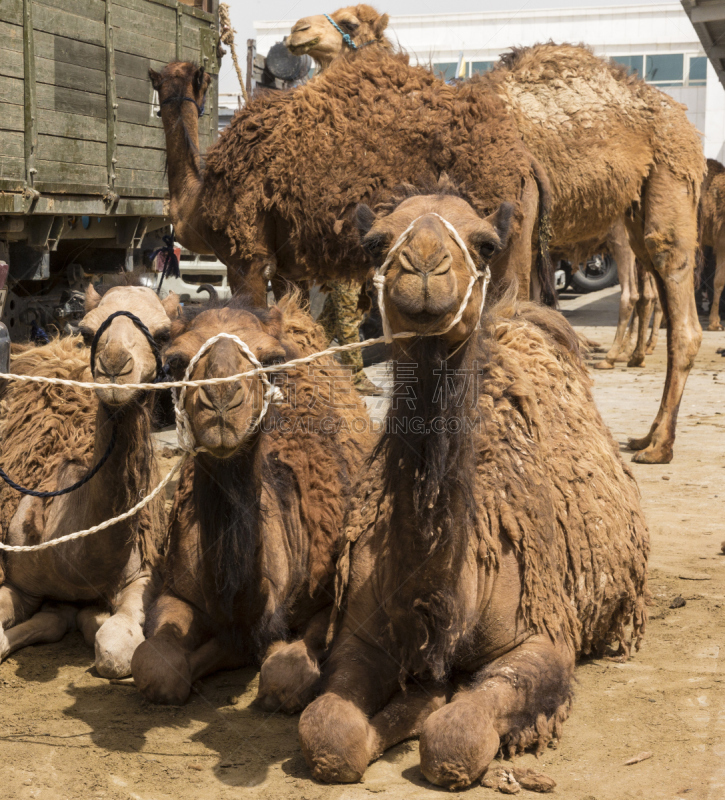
[70, 51]
[11, 37]
[134, 89]
[137, 113]
[12, 145]
[12, 168]
[71, 101]
[12, 118]
[140, 179]
[57, 73]
[11, 91]
[158, 26]
[61, 23]
[71, 126]
[12, 11]
[190, 36]
[141, 158]
[141, 136]
[135, 43]
[65, 172]
[74, 151]
[11, 64]
[89, 9]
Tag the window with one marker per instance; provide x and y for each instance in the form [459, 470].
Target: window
[479, 67]
[633, 64]
[446, 70]
[698, 71]
[665, 69]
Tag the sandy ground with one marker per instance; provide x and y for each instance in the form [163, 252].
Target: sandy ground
[66, 733]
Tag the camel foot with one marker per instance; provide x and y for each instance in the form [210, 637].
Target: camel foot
[650, 349]
[456, 745]
[289, 679]
[604, 364]
[654, 455]
[714, 326]
[335, 737]
[161, 671]
[4, 646]
[636, 361]
[116, 642]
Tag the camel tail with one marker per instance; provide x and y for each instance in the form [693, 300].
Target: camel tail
[544, 265]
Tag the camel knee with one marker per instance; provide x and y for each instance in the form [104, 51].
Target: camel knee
[457, 743]
[161, 672]
[336, 739]
[289, 679]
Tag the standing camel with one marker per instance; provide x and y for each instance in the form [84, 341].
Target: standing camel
[614, 148]
[489, 545]
[51, 436]
[253, 567]
[712, 227]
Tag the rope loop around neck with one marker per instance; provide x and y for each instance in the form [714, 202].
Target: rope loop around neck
[180, 100]
[380, 274]
[185, 436]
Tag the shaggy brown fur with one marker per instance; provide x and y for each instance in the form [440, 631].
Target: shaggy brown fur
[712, 231]
[254, 564]
[494, 541]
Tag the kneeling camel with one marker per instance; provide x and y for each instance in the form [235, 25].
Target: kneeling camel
[257, 515]
[490, 544]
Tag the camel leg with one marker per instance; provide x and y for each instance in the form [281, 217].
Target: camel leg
[89, 621]
[656, 319]
[336, 736]
[290, 673]
[632, 334]
[618, 245]
[666, 244]
[120, 635]
[50, 624]
[718, 284]
[643, 311]
[15, 607]
[517, 700]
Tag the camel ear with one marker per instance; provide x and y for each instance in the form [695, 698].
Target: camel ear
[501, 221]
[446, 185]
[171, 305]
[201, 81]
[380, 25]
[92, 298]
[364, 219]
[156, 78]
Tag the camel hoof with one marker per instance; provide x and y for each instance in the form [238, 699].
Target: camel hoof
[636, 361]
[288, 680]
[161, 671]
[604, 364]
[456, 745]
[653, 455]
[334, 737]
[4, 646]
[714, 327]
[116, 642]
[650, 349]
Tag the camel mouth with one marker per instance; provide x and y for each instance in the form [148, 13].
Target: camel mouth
[304, 47]
[222, 441]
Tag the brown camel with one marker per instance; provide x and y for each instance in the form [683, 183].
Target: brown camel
[613, 147]
[489, 545]
[318, 37]
[712, 231]
[278, 189]
[51, 436]
[254, 567]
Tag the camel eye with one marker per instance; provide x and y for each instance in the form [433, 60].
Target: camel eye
[348, 25]
[177, 363]
[272, 361]
[162, 337]
[484, 246]
[376, 245]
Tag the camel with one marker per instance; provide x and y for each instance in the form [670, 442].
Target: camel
[325, 38]
[712, 232]
[50, 438]
[275, 198]
[491, 544]
[253, 569]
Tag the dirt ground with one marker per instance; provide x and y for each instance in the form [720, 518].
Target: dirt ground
[66, 733]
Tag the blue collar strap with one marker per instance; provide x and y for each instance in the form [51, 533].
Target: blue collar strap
[180, 100]
[345, 36]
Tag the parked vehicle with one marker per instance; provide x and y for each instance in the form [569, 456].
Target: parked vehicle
[597, 272]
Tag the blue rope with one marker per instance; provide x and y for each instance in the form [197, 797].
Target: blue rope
[180, 100]
[345, 36]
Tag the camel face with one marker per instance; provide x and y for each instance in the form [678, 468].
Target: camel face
[224, 416]
[123, 354]
[428, 277]
[317, 37]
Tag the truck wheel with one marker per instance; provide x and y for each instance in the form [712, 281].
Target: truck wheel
[598, 272]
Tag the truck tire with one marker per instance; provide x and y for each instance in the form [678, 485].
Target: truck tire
[598, 272]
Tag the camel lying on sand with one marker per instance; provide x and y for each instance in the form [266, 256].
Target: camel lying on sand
[490, 545]
[277, 193]
[613, 147]
[254, 567]
[712, 231]
[50, 438]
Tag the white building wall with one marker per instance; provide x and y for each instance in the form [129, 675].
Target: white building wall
[610, 31]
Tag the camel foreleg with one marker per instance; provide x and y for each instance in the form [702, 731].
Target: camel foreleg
[50, 624]
[15, 608]
[718, 284]
[517, 701]
[643, 311]
[656, 321]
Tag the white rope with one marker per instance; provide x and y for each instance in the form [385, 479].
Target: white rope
[272, 393]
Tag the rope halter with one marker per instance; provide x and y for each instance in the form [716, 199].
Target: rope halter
[380, 274]
[346, 38]
[153, 344]
[272, 393]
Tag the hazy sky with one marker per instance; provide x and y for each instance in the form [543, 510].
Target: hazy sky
[245, 12]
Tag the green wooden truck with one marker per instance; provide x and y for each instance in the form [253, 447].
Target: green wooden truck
[83, 188]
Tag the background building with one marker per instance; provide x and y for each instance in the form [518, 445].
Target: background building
[656, 40]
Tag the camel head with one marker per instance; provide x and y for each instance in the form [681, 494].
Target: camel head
[224, 417]
[123, 353]
[318, 37]
[428, 274]
[182, 87]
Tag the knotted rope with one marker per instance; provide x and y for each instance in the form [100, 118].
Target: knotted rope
[272, 393]
[346, 38]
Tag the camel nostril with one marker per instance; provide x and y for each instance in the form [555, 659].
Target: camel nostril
[221, 398]
[115, 367]
[205, 399]
[437, 264]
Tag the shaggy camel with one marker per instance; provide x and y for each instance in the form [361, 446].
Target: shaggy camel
[254, 568]
[613, 147]
[50, 437]
[492, 543]
[277, 197]
[712, 231]
[325, 41]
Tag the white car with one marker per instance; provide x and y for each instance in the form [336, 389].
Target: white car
[197, 271]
